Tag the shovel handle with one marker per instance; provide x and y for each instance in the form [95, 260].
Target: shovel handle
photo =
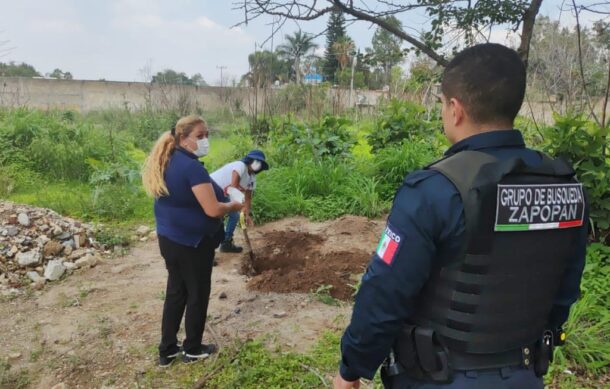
[242, 221]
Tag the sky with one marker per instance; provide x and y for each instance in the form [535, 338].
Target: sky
[126, 40]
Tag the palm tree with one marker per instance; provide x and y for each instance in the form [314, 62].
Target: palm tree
[296, 47]
[344, 49]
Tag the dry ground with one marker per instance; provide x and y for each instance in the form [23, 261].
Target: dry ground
[100, 327]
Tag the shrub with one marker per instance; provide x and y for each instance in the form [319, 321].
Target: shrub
[394, 162]
[402, 120]
[582, 143]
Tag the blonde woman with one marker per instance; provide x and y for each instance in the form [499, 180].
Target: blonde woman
[188, 212]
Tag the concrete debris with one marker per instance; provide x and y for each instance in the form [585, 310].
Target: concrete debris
[35, 241]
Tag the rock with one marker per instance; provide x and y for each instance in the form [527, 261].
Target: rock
[88, 260]
[42, 240]
[10, 292]
[57, 231]
[12, 231]
[67, 250]
[143, 230]
[63, 236]
[12, 219]
[52, 248]
[76, 254]
[23, 219]
[279, 315]
[38, 285]
[152, 235]
[80, 240]
[35, 277]
[237, 311]
[11, 253]
[28, 258]
[54, 270]
[60, 386]
[222, 296]
[144, 239]
[69, 266]
[14, 355]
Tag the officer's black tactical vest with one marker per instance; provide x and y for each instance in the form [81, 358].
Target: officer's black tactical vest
[519, 234]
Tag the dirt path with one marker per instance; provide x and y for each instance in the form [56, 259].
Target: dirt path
[99, 327]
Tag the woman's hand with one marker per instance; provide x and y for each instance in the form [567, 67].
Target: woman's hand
[211, 206]
[235, 206]
[249, 221]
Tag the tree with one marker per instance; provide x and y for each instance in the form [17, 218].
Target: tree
[13, 69]
[386, 48]
[468, 21]
[335, 32]
[295, 48]
[59, 74]
[554, 64]
[169, 76]
[343, 49]
[198, 80]
[265, 68]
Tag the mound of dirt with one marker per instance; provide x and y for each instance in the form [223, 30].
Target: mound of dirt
[294, 261]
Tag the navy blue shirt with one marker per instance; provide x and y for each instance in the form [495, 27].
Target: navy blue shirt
[428, 215]
[179, 215]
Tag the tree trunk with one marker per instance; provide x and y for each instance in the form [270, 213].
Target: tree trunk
[529, 19]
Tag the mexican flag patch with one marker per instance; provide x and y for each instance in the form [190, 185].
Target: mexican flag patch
[388, 245]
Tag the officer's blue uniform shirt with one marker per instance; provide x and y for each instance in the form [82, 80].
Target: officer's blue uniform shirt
[427, 214]
[179, 216]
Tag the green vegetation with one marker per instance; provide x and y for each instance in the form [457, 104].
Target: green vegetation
[87, 166]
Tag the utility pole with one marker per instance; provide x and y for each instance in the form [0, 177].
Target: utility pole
[221, 69]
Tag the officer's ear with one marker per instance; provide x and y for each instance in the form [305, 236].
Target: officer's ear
[457, 112]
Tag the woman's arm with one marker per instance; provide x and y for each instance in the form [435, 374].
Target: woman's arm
[235, 178]
[211, 206]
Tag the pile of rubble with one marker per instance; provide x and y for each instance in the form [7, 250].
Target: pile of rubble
[39, 245]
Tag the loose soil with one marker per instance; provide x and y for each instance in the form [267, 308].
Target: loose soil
[100, 327]
[293, 262]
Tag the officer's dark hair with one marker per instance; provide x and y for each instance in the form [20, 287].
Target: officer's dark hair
[489, 80]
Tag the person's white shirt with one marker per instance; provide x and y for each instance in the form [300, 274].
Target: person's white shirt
[224, 176]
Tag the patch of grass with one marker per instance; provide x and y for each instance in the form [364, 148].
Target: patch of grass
[13, 379]
[35, 354]
[252, 365]
[104, 326]
[161, 295]
[65, 301]
[322, 294]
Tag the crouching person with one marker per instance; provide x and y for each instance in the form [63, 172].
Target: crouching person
[242, 176]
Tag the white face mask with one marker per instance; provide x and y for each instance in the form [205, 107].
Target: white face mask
[203, 147]
[256, 166]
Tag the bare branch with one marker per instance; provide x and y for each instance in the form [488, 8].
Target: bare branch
[394, 30]
[582, 71]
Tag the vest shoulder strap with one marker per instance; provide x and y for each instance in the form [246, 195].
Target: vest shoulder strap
[462, 169]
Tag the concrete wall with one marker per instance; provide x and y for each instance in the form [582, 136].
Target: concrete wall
[85, 96]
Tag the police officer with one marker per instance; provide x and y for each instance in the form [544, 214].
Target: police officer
[482, 254]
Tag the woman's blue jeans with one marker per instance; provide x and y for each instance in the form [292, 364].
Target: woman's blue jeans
[231, 224]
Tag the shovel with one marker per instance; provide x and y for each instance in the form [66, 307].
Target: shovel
[250, 270]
